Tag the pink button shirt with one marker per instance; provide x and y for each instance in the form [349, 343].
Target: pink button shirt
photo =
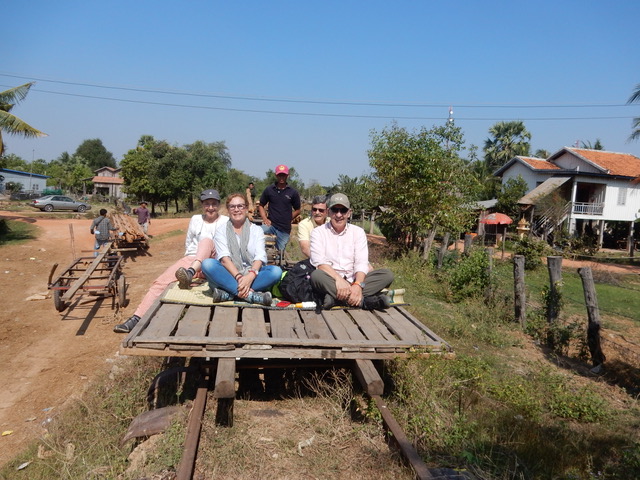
[346, 252]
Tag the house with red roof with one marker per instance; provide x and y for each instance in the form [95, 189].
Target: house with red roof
[591, 188]
[107, 182]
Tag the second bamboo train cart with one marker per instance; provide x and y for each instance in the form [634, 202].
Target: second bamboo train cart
[100, 276]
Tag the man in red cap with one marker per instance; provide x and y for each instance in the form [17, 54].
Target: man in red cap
[283, 204]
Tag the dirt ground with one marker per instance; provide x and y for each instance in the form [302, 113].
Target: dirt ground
[48, 357]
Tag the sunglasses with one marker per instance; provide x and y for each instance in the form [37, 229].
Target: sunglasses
[342, 210]
[321, 210]
[239, 206]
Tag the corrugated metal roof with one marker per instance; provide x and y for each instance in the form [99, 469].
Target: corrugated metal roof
[542, 190]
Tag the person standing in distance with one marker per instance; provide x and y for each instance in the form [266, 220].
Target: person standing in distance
[144, 217]
[284, 205]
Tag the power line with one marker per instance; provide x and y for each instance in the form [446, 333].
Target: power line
[316, 102]
[312, 114]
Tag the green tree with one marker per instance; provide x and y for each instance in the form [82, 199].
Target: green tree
[9, 122]
[170, 177]
[508, 139]
[69, 172]
[14, 162]
[421, 182]
[635, 98]
[237, 181]
[95, 153]
[137, 164]
[206, 166]
[358, 191]
[512, 190]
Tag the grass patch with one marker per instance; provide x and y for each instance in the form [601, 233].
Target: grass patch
[83, 441]
[13, 232]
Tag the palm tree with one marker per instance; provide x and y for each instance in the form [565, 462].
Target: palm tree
[635, 97]
[508, 140]
[9, 122]
[593, 146]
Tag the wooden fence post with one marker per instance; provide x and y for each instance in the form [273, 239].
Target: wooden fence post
[468, 239]
[488, 292]
[554, 265]
[519, 294]
[371, 224]
[593, 314]
[443, 249]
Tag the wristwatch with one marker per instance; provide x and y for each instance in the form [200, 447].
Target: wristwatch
[360, 284]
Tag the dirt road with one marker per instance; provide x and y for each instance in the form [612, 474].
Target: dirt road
[48, 357]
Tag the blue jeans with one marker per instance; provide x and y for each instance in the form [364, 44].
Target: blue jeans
[219, 277]
[282, 238]
[99, 244]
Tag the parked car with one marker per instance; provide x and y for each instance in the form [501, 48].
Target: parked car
[59, 202]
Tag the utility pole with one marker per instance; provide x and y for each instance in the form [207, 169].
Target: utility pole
[449, 122]
[33, 155]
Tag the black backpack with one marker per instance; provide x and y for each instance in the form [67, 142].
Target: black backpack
[296, 284]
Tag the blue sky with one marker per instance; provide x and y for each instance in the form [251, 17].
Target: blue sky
[280, 81]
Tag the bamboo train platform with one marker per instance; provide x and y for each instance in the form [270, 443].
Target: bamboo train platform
[175, 328]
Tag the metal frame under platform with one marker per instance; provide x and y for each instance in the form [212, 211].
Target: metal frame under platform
[178, 330]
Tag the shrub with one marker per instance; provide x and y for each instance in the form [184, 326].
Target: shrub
[470, 277]
[532, 250]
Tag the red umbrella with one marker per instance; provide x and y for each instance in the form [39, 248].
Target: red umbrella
[496, 219]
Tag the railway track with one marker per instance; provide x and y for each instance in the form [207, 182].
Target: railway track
[205, 372]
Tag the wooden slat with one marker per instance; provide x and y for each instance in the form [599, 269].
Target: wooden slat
[342, 325]
[315, 326]
[195, 322]
[223, 323]
[283, 323]
[164, 322]
[145, 320]
[253, 323]
[404, 330]
[371, 326]
[421, 326]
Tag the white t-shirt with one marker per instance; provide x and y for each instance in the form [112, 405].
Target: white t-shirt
[199, 229]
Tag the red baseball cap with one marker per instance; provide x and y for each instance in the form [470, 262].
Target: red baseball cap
[282, 169]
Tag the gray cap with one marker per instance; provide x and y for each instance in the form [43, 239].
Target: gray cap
[207, 194]
[339, 199]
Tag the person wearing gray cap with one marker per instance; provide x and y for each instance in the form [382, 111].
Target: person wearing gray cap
[340, 253]
[199, 245]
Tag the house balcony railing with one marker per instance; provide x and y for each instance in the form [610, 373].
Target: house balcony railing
[588, 208]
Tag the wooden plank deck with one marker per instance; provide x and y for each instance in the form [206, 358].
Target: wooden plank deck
[222, 331]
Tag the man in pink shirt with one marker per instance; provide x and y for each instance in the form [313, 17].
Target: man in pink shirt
[340, 253]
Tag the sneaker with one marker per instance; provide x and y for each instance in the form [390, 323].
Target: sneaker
[184, 277]
[127, 326]
[376, 302]
[329, 302]
[260, 298]
[218, 295]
